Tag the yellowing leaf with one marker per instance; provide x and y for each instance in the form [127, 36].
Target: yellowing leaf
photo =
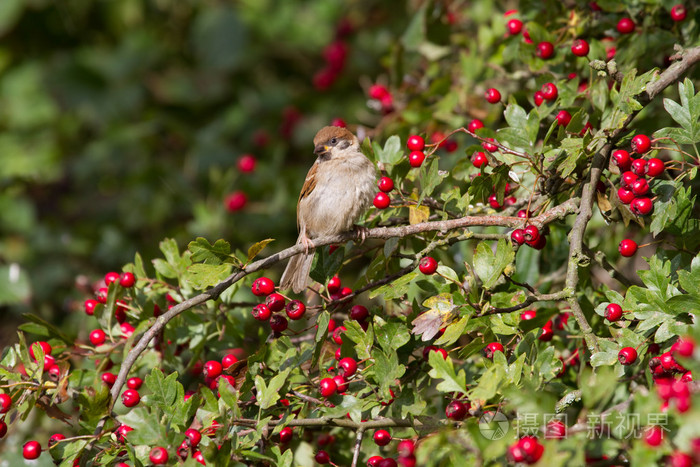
[418, 214]
[258, 247]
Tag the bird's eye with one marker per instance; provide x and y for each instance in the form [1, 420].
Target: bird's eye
[334, 141]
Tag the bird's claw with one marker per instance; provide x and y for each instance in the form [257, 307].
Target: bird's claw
[306, 241]
[362, 233]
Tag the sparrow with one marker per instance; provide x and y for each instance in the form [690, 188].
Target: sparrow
[339, 187]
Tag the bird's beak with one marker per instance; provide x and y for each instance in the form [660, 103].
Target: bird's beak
[321, 149]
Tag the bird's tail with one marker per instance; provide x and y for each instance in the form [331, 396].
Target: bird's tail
[297, 273]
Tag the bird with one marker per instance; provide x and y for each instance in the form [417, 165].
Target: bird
[338, 188]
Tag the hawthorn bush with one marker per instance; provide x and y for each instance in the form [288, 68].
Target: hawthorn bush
[527, 292]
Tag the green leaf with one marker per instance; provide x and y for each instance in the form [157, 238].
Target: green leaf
[547, 364]
[488, 266]
[321, 332]
[603, 359]
[52, 329]
[430, 178]
[163, 389]
[444, 369]
[268, 395]
[326, 264]
[204, 252]
[387, 368]
[489, 382]
[392, 151]
[390, 335]
[202, 276]
[453, 332]
[395, 289]
[690, 280]
[363, 340]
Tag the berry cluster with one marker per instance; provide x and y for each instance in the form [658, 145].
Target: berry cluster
[530, 235]
[635, 176]
[527, 450]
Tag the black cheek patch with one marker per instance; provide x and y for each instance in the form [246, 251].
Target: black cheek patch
[344, 144]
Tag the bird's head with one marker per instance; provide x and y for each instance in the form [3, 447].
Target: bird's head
[333, 141]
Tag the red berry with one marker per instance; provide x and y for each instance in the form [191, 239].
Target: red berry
[3, 429]
[641, 144]
[428, 265]
[111, 277]
[415, 143]
[333, 286]
[338, 334]
[262, 286]
[640, 187]
[563, 118]
[295, 309]
[628, 247]
[339, 122]
[286, 434]
[493, 96]
[5, 403]
[109, 378]
[199, 457]
[678, 12]
[555, 430]
[528, 315]
[680, 459]
[613, 312]
[641, 206]
[544, 50]
[416, 158]
[349, 366]
[628, 178]
[475, 125]
[235, 201]
[261, 312]
[158, 455]
[378, 91]
[514, 26]
[127, 330]
[212, 369]
[31, 450]
[359, 313]
[382, 200]
[493, 347]
[341, 383]
[655, 167]
[622, 159]
[322, 457]
[374, 461]
[479, 159]
[627, 356]
[654, 436]
[524, 214]
[625, 26]
[625, 195]
[130, 397]
[518, 236]
[539, 98]
[547, 332]
[432, 348]
[406, 448]
[550, 91]
[328, 387]
[193, 437]
[246, 163]
[385, 184]
[493, 202]
[122, 431]
[382, 437]
[127, 280]
[275, 302]
[488, 145]
[580, 48]
[45, 347]
[685, 347]
[639, 167]
[531, 234]
[456, 411]
[278, 323]
[90, 306]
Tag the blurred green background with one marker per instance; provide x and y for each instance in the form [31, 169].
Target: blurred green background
[121, 123]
